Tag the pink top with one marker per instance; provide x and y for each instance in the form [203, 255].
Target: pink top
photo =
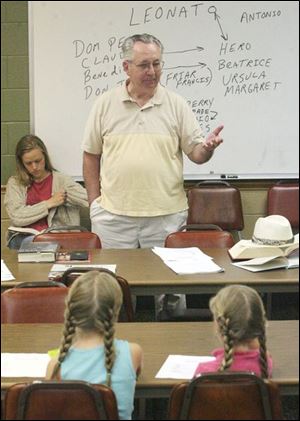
[36, 193]
[242, 361]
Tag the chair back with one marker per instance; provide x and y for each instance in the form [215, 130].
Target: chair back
[199, 227]
[70, 237]
[33, 304]
[225, 396]
[60, 401]
[40, 284]
[216, 202]
[127, 312]
[283, 199]
[201, 239]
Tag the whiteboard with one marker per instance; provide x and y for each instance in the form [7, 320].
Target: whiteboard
[236, 63]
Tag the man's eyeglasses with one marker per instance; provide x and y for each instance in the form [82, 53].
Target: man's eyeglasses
[157, 65]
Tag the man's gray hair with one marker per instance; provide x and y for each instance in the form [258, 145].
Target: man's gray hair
[127, 47]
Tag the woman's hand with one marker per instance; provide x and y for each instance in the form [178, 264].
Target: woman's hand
[59, 198]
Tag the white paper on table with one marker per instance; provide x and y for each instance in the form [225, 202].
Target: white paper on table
[189, 267]
[166, 253]
[6, 274]
[24, 365]
[181, 366]
[187, 261]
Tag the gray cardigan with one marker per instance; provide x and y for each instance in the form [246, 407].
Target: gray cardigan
[22, 215]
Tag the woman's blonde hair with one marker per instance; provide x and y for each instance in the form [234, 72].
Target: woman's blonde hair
[26, 144]
[93, 304]
[240, 316]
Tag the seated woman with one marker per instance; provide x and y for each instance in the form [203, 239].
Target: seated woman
[38, 196]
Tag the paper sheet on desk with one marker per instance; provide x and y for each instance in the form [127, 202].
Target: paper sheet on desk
[24, 365]
[187, 261]
[181, 366]
[6, 274]
[166, 253]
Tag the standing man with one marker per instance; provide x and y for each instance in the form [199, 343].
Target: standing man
[134, 140]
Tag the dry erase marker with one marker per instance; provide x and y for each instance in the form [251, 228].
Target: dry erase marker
[231, 176]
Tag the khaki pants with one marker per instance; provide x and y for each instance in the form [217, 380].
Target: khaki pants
[117, 231]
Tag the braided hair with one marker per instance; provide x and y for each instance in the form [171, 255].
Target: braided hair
[240, 316]
[93, 305]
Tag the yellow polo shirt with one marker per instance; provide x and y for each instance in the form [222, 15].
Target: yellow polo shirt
[141, 151]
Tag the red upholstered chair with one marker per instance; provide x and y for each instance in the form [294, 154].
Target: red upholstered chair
[208, 236]
[60, 401]
[201, 239]
[37, 304]
[216, 202]
[283, 199]
[71, 237]
[225, 396]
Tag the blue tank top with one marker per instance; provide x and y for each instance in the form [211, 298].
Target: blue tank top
[89, 365]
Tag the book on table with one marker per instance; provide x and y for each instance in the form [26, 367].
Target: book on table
[38, 252]
[260, 264]
[24, 230]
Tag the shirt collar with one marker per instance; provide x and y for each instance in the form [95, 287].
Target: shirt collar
[157, 98]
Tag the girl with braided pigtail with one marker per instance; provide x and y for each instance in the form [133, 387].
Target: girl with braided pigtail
[89, 350]
[240, 321]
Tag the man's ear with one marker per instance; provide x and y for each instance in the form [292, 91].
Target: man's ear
[125, 66]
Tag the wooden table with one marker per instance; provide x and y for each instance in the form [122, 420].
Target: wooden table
[158, 340]
[148, 275]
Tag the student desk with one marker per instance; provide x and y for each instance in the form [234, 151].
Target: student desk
[193, 338]
[148, 275]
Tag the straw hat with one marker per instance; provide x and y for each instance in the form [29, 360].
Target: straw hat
[273, 230]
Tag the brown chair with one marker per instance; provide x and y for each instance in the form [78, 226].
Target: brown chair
[71, 237]
[225, 396]
[283, 199]
[34, 303]
[208, 236]
[50, 400]
[216, 202]
[201, 239]
[127, 312]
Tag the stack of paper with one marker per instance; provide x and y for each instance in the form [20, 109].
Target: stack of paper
[186, 261]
